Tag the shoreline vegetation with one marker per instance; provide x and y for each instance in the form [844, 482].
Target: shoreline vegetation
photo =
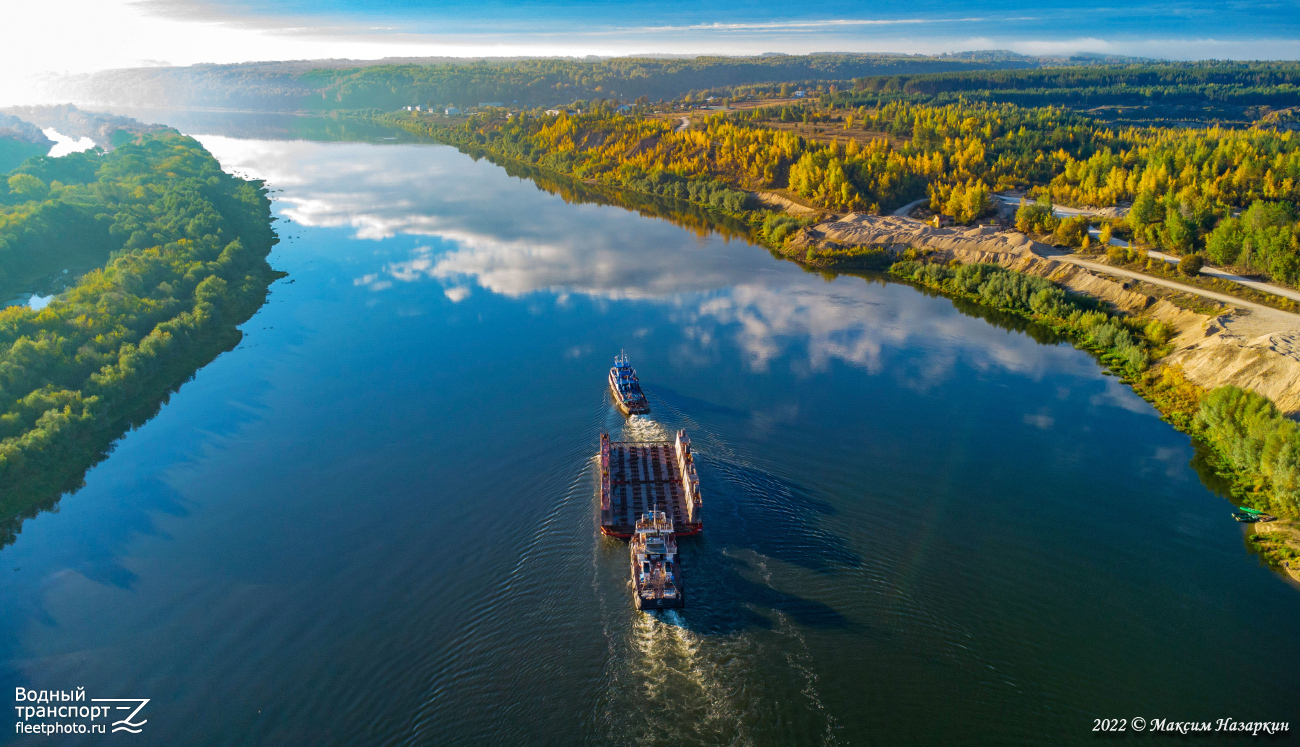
[181, 249]
[1219, 191]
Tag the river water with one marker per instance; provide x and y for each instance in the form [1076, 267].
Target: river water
[374, 521]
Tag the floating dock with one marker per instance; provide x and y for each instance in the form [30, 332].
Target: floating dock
[638, 477]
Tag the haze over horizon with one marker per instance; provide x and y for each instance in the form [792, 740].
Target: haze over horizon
[92, 35]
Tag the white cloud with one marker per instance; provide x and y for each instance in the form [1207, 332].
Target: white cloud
[1041, 420]
[716, 291]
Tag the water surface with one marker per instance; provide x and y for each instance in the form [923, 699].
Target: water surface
[374, 522]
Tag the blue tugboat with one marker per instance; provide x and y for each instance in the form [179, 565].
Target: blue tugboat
[626, 389]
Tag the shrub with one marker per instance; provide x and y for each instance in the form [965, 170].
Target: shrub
[777, 227]
[1158, 332]
[1036, 217]
[1071, 231]
[1191, 265]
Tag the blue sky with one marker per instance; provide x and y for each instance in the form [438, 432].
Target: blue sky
[1187, 28]
[73, 36]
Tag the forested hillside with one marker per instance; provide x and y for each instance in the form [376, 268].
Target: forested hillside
[183, 247]
[544, 82]
[20, 140]
[1226, 87]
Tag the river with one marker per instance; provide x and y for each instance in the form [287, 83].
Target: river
[373, 522]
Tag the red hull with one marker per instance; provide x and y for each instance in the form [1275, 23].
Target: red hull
[690, 531]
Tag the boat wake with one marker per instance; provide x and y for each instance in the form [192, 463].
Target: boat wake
[641, 428]
[686, 693]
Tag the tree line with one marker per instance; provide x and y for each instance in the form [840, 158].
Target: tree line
[1226, 193]
[184, 249]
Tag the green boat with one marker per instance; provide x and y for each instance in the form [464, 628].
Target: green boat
[1250, 516]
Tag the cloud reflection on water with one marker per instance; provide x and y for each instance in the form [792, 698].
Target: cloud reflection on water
[510, 238]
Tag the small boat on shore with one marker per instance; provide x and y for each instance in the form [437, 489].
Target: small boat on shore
[1251, 516]
[626, 389]
[656, 576]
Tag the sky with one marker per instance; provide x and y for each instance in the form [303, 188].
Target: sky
[77, 36]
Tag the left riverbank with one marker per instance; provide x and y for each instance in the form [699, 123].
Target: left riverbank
[183, 247]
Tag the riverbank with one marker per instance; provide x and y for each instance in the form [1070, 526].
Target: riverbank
[1195, 352]
[1229, 420]
[186, 246]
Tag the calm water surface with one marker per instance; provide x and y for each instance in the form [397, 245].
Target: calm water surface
[374, 521]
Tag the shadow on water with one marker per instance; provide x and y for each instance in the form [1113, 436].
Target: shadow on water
[693, 404]
[40, 485]
[1202, 462]
[736, 600]
[723, 598]
[65, 476]
[777, 519]
[755, 517]
[694, 218]
[326, 128]
[752, 516]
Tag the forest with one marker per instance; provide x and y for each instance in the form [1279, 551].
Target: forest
[1223, 192]
[182, 250]
[1219, 88]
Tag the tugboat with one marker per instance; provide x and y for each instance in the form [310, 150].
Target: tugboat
[626, 389]
[656, 577]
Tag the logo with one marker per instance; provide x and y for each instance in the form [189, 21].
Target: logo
[128, 723]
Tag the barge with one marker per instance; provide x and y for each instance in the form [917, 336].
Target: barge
[626, 389]
[639, 477]
[656, 575]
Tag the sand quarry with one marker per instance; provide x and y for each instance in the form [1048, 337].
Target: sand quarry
[1248, 345]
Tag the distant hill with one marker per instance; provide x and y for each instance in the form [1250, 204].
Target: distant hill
[387, 84]
[101, 128]
[19, 141]
[1142, 92]
[1118, 88]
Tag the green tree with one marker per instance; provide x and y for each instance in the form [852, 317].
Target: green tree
[27, 187]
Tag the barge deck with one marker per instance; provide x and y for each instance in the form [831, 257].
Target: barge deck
[639, 477]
